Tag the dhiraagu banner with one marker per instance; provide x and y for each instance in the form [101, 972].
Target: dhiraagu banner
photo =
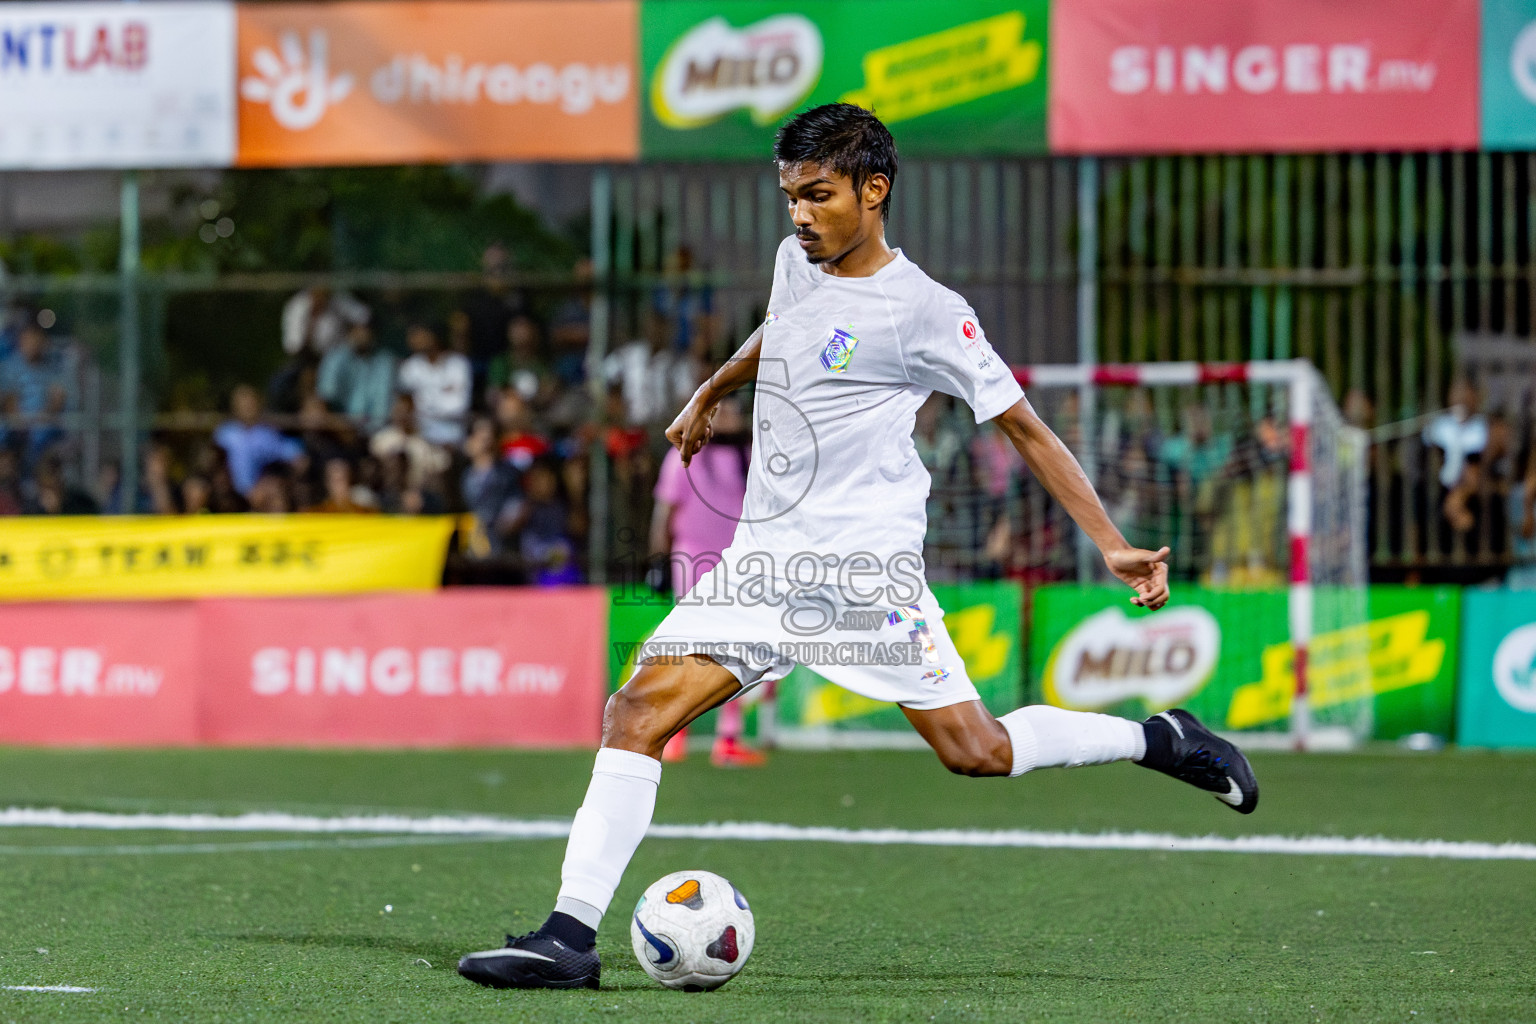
[1226, 656]
[984, 620]
[950, 79]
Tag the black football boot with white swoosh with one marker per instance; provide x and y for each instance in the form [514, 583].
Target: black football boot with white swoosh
[535, 960]
[1178, 745]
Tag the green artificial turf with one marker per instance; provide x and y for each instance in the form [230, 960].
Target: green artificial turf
[847, 933]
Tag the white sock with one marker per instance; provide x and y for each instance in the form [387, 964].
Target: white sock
[1047, 737]
[610, 824]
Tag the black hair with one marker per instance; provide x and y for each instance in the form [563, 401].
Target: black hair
[848, 139]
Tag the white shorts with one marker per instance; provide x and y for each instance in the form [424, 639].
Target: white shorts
[899, 654]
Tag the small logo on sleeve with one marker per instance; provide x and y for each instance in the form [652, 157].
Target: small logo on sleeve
[838, 350]
[975, 343]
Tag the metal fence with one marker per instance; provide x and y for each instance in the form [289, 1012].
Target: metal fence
[1372, 266]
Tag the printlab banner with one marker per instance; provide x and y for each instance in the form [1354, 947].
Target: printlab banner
[472, 667]
[1226, 656]
[1496, 701]
[1157, 76]
[92, 557]
[117, 85]
[375, 82]
[965, 77]
[983, 619]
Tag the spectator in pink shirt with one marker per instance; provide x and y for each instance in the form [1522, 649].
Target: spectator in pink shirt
[697, 508]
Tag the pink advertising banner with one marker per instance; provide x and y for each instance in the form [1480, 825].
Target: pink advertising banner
[485, 667]
[1171, 76]
[98, 673]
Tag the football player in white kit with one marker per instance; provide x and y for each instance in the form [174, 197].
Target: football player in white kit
[826, 565]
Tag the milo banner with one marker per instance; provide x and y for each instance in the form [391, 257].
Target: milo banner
[1226, 656]
[983, 619]
[962, 77]
[46, 558]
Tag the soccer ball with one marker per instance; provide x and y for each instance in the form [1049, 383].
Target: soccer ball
[692, 930]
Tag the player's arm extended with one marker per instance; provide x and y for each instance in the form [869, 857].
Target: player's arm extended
[692, 430]
[1052, 462]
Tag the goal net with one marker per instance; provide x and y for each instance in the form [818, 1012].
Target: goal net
[1250, 474]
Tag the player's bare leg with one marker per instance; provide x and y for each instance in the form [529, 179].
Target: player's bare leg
[662, 697]
[970, 741]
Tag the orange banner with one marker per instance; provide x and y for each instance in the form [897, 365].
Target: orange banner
[439, 81]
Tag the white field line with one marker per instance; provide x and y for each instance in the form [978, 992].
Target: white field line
[511, 828]
[46, 988]
[247, 846]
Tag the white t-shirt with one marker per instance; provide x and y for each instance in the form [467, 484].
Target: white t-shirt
[846, 362]
[441, 393]
[329, 326]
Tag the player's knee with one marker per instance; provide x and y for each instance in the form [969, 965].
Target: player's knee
[630, 718]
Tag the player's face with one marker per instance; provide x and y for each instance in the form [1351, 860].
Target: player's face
[830, 219]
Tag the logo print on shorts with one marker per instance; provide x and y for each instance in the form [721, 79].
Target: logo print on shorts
[838, 350]
[687, 894]
[937, 676]
[919, 633]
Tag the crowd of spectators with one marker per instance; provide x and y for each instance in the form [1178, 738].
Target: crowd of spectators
[491, 412]
[487, 414]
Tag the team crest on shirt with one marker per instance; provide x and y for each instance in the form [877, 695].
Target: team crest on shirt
[838, 350]
[975, 342]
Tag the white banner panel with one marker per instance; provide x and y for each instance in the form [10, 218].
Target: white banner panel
[117, 85]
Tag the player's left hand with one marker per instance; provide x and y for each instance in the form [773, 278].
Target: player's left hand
[1145, 572]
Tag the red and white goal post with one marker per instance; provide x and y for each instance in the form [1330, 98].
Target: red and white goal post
[1249, 471]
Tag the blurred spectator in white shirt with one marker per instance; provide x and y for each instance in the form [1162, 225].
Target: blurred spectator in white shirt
[439, 383]
[1461, 432]
[317, 319]
[422, 458]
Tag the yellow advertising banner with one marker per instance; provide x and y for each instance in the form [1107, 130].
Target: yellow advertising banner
[112, 557]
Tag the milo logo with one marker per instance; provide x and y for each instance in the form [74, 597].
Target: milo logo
[1110, 658]
[767, 68]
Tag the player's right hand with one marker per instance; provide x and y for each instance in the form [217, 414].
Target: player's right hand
[1145, 572]
[691, 430]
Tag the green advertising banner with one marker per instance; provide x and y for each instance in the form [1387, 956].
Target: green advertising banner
[984, 620]
[965, 77]
[1226, 656]
[1509, 74]
[1496, 701]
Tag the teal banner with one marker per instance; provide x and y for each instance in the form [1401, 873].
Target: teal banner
[1509, 74]
[1496, 699]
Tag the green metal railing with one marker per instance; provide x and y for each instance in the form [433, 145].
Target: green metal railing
[1373, 266]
